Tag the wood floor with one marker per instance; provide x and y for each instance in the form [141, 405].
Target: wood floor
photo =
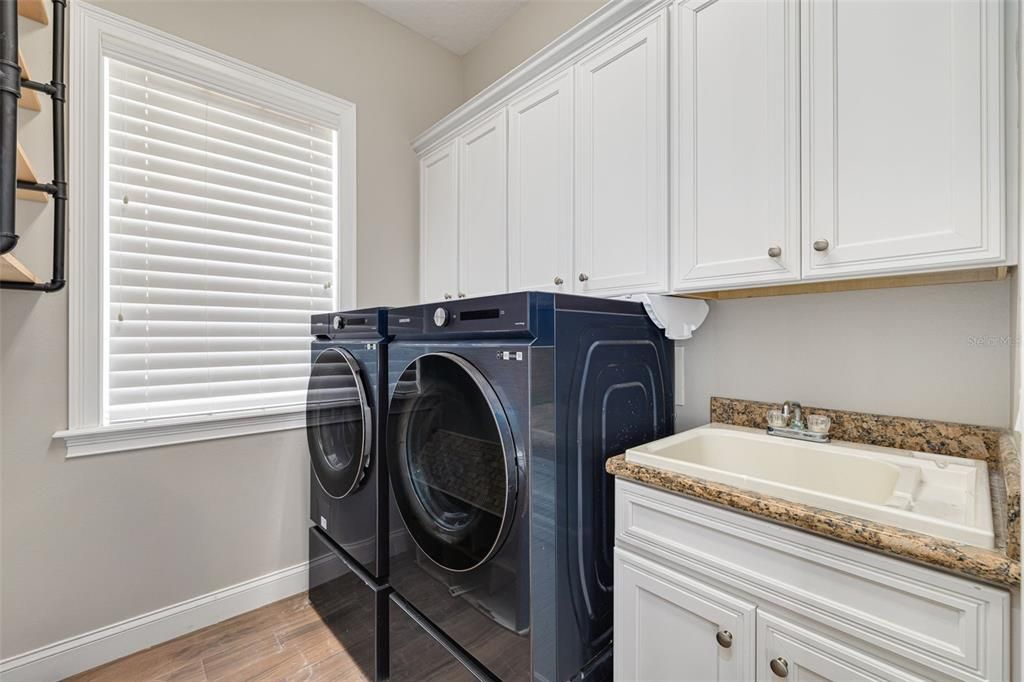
[286, 640]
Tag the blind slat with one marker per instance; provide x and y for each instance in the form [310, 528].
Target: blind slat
[142, 199]
[160, 361]
[239, 113]
[183, 376]
[142, 262]
[137, 227]
[204, 158]
[311, 151]
[222, 243]
[188, 407]
[122, 157]
[185, 138]
[141, 175]
[154, 279]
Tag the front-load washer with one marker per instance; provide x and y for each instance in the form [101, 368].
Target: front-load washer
[345, 410]
[502, 413]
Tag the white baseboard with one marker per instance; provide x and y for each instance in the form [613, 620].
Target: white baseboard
[82, 652]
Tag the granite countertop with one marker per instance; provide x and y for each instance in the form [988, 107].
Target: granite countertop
[999, 448]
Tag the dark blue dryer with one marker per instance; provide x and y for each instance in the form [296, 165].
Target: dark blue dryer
[345, 405]
[502, 413]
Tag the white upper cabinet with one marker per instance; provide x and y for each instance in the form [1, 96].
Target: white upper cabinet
[699, 145]
[736, 111]
[540, 206]
[621, 163]
[483, 230]
[439, 224]
[903, 151]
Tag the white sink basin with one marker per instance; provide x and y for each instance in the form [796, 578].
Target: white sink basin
[946, 497]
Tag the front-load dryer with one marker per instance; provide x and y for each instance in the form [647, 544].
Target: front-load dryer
[502, 413]
[345, 405]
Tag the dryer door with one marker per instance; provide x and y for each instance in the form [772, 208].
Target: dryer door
[452, 461]
[338, 422]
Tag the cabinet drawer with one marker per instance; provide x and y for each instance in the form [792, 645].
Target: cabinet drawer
[949, 624]
[802, 654]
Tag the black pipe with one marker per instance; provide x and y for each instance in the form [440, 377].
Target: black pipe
[10, 93]
[60, 178]
[58, 189]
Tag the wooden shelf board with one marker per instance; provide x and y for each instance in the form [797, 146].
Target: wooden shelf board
[891, 282]
[12, 270]
[34, 10]
[29, 98]
[25, 172]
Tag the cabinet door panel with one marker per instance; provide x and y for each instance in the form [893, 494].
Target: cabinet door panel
[439, 224]
[621, 164]
[668, 626]
[483, 233]
[737, 72]
[540, 188]
[810, 657]
[902, 135]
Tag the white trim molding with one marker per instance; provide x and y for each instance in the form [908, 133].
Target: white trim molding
[82, 652]
[99, 440]
[96, 34]
[610, 19]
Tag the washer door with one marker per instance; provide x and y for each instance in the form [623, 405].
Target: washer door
[452, 461]
[338, 422]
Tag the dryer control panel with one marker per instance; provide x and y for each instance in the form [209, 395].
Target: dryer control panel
[507, 315]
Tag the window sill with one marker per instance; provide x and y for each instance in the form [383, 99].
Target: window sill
[101, 440]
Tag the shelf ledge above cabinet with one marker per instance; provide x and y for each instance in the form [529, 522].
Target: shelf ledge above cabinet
[891, 282]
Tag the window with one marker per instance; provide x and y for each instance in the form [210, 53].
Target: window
[215, 204]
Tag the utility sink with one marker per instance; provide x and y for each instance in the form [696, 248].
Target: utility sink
[937, 495]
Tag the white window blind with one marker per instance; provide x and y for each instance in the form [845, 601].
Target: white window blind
[222, 240]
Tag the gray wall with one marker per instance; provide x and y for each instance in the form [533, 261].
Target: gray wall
[530, 28]
[86, 543]
[934, 352]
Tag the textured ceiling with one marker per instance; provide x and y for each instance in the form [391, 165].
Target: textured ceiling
[459, 25]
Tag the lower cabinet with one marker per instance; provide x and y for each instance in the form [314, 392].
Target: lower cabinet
[704, 594]
[672, 628]
[676, 628]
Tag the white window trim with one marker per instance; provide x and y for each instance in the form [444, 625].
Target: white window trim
[96, 34]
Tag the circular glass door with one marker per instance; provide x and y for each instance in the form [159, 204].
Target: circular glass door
[452, 461]
[338, 422]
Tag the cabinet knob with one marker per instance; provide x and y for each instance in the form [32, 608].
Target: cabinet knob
[462, 295]
[447, 296]
[821, 245]
[583, 277]
[774, 251]
[724, 638]
[779, 666]
[558, 281]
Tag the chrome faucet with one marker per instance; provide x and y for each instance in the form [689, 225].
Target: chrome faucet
[793, 425]
[794, 414]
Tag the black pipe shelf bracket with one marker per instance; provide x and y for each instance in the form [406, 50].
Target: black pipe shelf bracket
[10, 92]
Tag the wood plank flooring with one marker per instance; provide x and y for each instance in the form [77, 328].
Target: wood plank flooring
[286, 640]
